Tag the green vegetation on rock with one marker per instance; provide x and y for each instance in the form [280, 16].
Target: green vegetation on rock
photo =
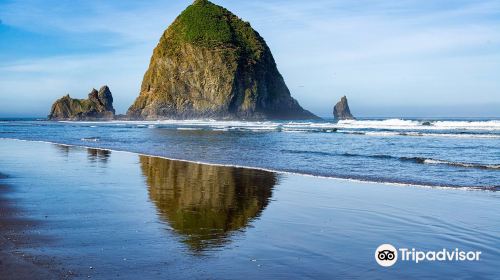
[211, 64]
[207, 25]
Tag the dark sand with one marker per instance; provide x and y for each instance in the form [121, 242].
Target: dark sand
[16, 265]
[14, 235]
[78, 213]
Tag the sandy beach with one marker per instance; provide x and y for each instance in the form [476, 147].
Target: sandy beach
[73, 212]
[14, 234]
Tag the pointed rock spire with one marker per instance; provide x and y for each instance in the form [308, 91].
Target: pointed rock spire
[341, 110]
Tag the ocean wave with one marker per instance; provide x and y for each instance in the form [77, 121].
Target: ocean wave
[419, 160]
[423, 160]
[382, 133]
[387, 127]
[492, 188]
[188, 128]
[421, 134]
[310, 152]
[460, 164]
[401, 124]
[90, 139]
[452, 135]
[491, 124]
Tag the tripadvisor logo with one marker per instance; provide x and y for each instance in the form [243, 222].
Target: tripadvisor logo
[387, 255]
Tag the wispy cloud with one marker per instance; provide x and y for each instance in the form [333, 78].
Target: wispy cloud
[129, 22]
[34, 84]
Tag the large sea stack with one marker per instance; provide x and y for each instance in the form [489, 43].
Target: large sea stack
[341, 110]
[211, 64]
[98, 106]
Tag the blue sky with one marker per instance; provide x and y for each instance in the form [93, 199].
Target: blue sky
[391, 58]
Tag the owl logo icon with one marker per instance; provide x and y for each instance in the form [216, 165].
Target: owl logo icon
[386, 255]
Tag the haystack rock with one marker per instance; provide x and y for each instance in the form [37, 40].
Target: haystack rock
[98, 106]
[341, 110]
[211, 64]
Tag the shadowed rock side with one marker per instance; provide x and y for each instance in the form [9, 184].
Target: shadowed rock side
[341, 110]
[211, 64]
[98, 106]
[203, 203]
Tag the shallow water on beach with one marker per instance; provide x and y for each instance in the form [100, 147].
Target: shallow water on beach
[446, 152]
[112, 214]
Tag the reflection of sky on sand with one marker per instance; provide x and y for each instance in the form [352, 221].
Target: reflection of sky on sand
[204, 204]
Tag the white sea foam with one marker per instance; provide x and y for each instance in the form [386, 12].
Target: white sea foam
[188, 128]
[391, 126]
[453, 135]
[399, 124]
[381, 133]
[487, 125]
[462, 164]
[421, 134]
[90, 139]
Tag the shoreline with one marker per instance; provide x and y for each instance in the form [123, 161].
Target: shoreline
[394, 184]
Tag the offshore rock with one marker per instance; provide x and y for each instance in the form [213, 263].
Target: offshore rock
[341, 110]
[98, 106]
[211, 64]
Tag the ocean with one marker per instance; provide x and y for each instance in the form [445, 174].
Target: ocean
[459, 153]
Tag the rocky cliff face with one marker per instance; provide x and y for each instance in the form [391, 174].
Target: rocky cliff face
[211, 64]
[98, 106]
[341, 110]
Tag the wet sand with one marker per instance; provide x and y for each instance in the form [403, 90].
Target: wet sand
[80, 213]
[15, 265]
[14, 234]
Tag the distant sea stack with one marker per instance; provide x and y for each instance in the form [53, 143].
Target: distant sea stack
[98, 106]
[341, 110]
[211, 64]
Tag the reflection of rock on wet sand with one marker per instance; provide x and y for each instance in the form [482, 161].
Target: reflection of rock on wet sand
[63, 149]
[93, 155]
[97, 154]
[206, 203]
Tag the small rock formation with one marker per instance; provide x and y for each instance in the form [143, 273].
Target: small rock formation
[341, 110]
[98, 106]
[211, 64]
